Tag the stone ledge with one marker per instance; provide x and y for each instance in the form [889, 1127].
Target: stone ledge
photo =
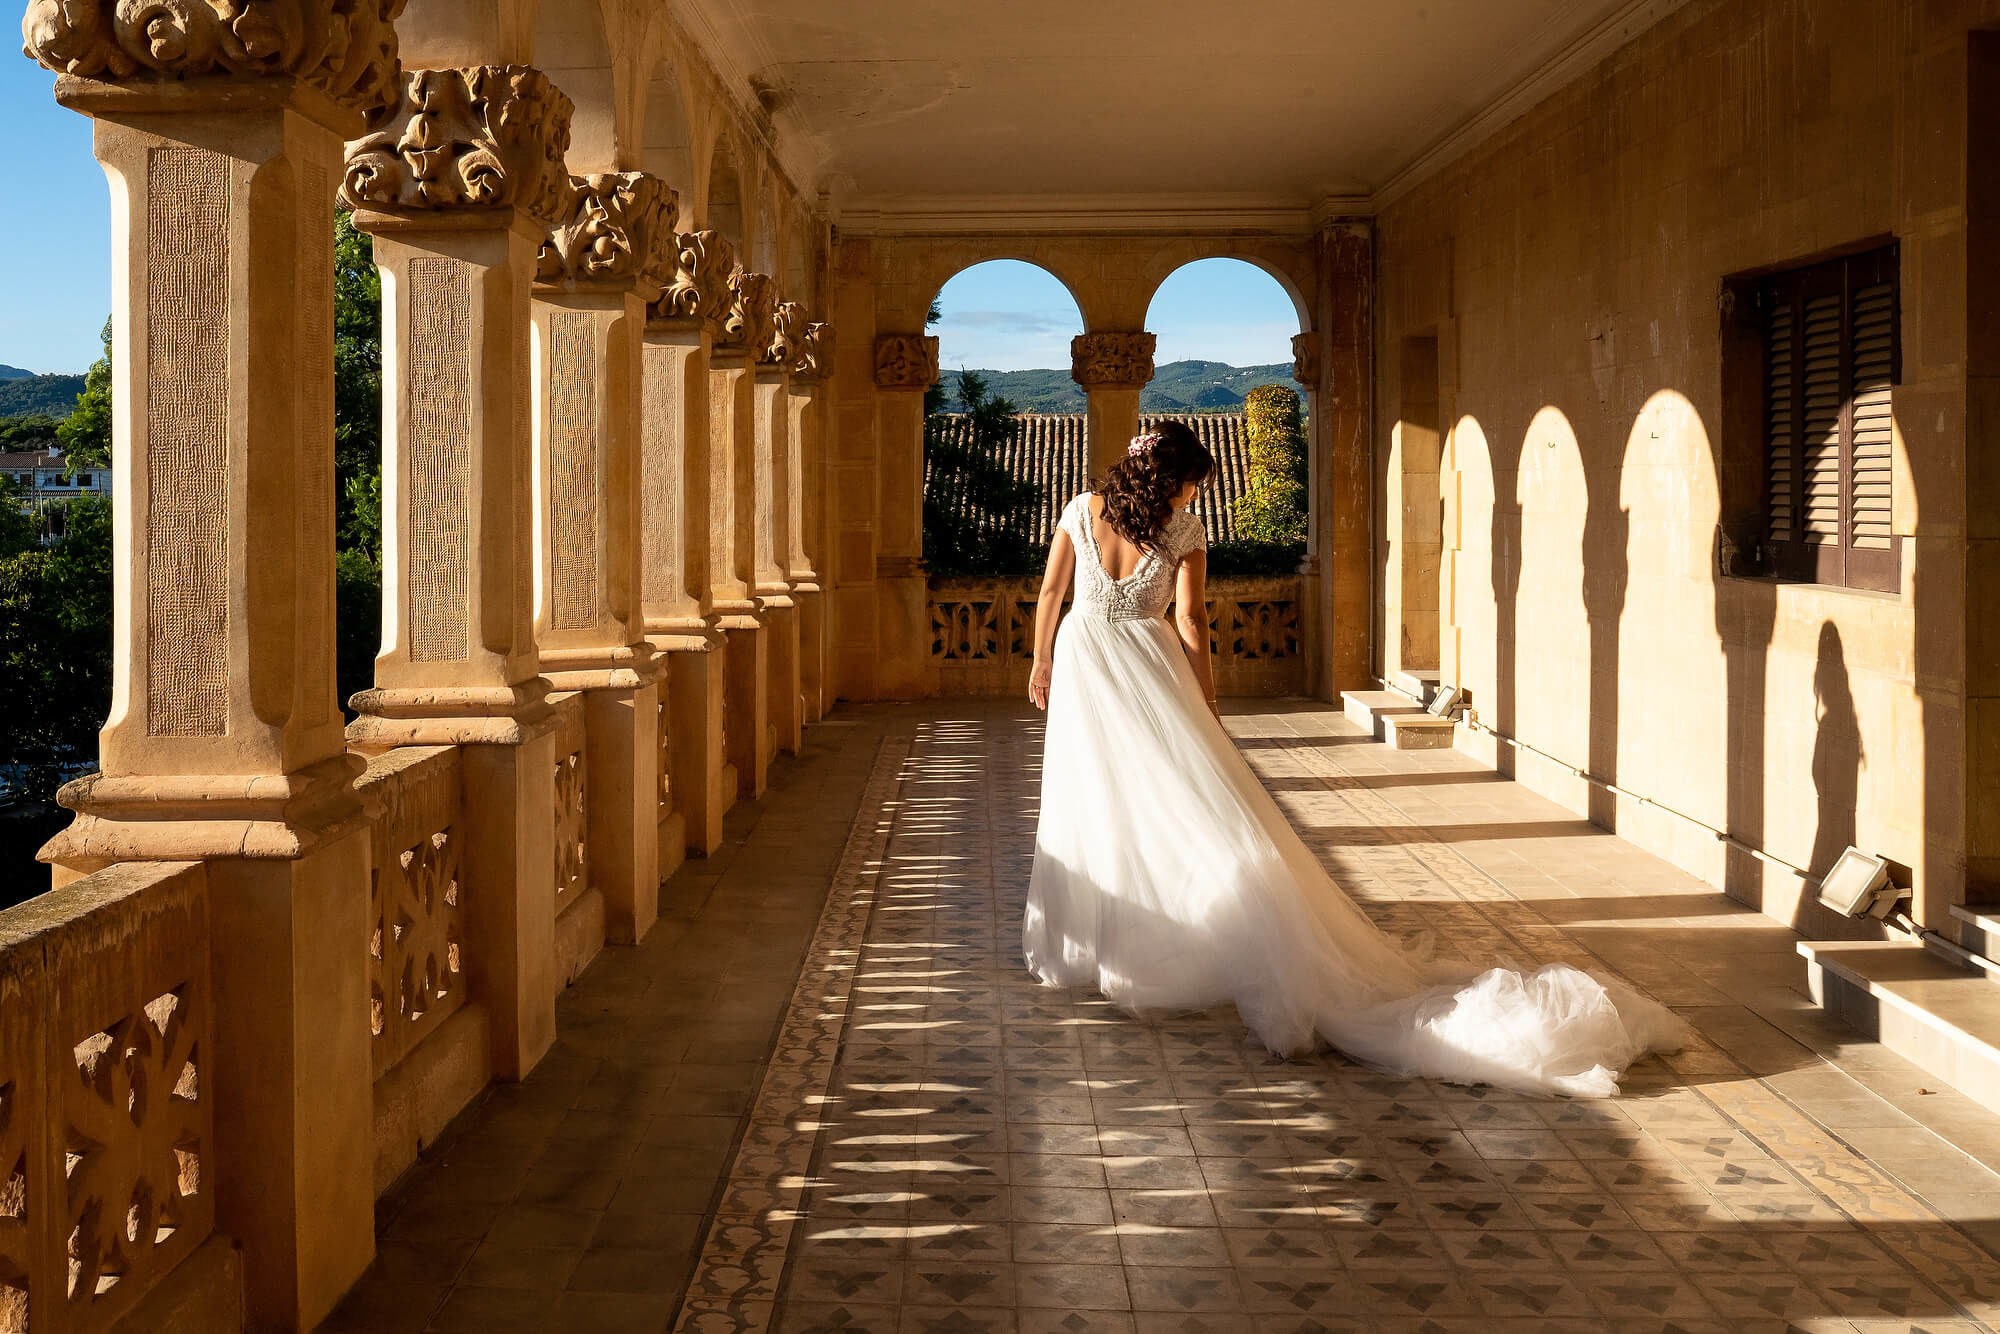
[1373, 708]
[1418, 685]
[1978, 927]
[1933, 1013]
[1420, 731]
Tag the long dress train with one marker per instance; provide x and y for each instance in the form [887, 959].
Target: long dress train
[1167, 877]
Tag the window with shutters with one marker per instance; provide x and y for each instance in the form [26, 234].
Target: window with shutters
[1832, 357]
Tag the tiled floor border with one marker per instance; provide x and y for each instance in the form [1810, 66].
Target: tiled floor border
[743, 1256]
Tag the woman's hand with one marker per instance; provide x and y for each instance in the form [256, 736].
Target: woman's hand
[1038, 684]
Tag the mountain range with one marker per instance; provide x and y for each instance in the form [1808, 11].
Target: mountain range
[24, 394]
[1178, 386]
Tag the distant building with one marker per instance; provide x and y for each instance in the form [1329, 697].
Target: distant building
[1050, 449]
[39, 476]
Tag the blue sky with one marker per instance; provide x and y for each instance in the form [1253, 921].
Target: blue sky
[57, 219]
[1004, 315]
[1008, 316]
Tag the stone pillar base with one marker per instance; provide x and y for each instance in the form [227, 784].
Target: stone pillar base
[812, 650]
[746, 703]
[780, 614]
[903, 668]
[697, 661]
[621, 728]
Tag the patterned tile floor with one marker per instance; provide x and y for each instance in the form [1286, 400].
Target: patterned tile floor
[936, 1145]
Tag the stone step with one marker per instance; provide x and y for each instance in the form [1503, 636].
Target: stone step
[1931, 1012]
[1420, 685]
[1420, 731]
[1978, 927]
[1373, 708]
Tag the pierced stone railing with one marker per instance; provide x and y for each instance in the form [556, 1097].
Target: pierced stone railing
[417, 908]
[983, 635]
[572, 854]
[106, 1124]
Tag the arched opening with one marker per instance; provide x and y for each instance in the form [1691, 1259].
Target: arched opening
[1004, 441]
[722, 210]
[1223, 364]
[570, 47]
[666, 146]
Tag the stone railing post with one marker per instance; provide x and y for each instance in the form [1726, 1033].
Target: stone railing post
[1112, 368]
[808, 514]
[459, 665]
[1342, 412]
[746, 331]
[224, 742]
[905, 366]
[776, 479]
[675, 480]
[597, 273]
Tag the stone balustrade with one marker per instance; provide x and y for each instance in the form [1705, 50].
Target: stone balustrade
[982, 636]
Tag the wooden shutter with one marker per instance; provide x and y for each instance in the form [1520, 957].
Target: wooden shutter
[1831, 359]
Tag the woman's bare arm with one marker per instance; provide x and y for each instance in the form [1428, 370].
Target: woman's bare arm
[1048, 610]
[1191, 619]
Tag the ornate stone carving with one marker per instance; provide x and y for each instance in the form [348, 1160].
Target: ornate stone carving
[612, 236]
[698, 287]
[753, 305]
[1111, 360]
[815, 359]
[906, 361]
[344, 48]
[1305, 359]
[788, 327]
[488, 137]
[572, 858]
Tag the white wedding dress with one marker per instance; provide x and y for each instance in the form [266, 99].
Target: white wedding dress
[1166, 877]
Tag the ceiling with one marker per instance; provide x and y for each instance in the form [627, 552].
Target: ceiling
[1285, 99]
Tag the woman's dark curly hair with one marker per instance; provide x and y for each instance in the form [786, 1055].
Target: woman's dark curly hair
[1139, 489]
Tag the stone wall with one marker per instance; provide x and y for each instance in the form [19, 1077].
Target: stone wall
[1549, 495]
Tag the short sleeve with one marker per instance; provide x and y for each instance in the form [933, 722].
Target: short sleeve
[1071, 519]
[1192, 534]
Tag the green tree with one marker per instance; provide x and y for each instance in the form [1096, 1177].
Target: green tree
[85, 434]
[976, 511]
[55, 646]
[34, 430]
[357, 455]
[1273, 506]
[19, 530]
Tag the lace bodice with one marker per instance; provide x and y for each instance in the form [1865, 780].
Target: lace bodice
[1146, 592]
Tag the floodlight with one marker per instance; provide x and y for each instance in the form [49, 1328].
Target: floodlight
[1858, 886]
[1445, 702]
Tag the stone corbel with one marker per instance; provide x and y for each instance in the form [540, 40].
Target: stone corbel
[697, 288]
[613, 238]
[906, 361]
[485, 138]
[815, 354]
[780, 351]
[1112, 360]
[1306, 359]
[753, 307]
[192, 55]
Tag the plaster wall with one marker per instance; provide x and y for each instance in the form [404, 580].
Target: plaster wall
[1570, 270]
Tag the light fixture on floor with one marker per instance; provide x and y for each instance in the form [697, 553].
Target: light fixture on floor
[1858, 886]
[1445, 702]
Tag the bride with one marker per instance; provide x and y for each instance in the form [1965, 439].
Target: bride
[1166, 877]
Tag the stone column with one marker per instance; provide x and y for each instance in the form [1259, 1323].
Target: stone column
[1307, 367]
[596, 274]
[905, 366]
[776, 478]
[1112, 368]
[746, 330]
[224, 742]
[1342, 409]
[459, 664]
[676, 590]
[808, 517]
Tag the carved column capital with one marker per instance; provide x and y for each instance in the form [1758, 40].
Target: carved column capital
[345, 50]
[788, 326]
[815, 358]
[1111, 360]
[611, 239]
[753, 306]
[1306, 358]
[906, 361]
[484, 138]
[697, 288]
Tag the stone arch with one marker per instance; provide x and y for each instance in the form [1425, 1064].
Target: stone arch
[1059, 343]
[1552, 632]
[724, 195]
[572, 46]
[666, 139]
[1295, 286]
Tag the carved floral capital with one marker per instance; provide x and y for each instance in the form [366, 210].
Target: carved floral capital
[1305, 359]
[612, 235]
[485, 137]
[753, 306]
[906, 361]
[1111, 360]
[346, 49]
[788, 327]
[697, 288]
[814, 361]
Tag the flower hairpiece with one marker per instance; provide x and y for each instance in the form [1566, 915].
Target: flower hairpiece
[1141, 443]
